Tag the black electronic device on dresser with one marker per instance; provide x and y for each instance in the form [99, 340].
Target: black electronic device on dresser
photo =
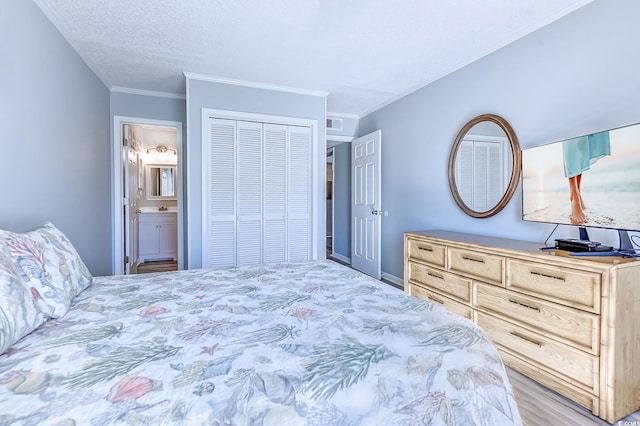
[575, 245]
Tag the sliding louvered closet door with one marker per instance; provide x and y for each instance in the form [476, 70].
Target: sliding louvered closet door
[275, 193]
[249, 193]
[257, 180]
[298, 205]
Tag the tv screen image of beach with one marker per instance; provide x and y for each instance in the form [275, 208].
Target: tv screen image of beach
[591, 181]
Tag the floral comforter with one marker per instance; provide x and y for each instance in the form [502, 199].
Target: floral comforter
[312, 343]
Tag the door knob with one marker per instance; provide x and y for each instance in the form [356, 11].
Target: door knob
[377, 212]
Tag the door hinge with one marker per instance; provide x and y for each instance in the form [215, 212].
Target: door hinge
[125, 142]
[126, 259]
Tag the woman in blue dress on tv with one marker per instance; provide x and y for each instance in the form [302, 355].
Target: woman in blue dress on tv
[578, 155]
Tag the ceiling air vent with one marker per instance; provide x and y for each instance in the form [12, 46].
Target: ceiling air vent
[334, 123]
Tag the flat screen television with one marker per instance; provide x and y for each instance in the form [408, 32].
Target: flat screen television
[588, 181]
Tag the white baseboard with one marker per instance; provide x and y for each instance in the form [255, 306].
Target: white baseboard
[341, 258]
[384, 275]
[392, 278]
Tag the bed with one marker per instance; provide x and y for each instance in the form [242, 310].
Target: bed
[312, 343]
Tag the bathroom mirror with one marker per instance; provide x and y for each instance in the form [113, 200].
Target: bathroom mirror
[484, 166]
[161, 182]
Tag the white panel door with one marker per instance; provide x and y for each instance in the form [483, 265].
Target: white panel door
[249, 193]
[275, 193]
[299, 194]
[134, 217]
[366, 204]
[131, 251]
[220, 214]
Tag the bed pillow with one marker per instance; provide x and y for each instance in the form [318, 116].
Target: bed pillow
[19, 313]
[80, 276]
[50, 264]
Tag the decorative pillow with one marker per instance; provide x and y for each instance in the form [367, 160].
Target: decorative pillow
[50, 264]
[80, 276]
[19, 313]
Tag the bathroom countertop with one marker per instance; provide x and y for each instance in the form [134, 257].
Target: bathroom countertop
[170, 209]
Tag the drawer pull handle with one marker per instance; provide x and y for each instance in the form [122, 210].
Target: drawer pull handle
[473, 259]
[431, 274]
[535, 308]
[425, 248]
[519, 336]
[435, 299]
[540, 274]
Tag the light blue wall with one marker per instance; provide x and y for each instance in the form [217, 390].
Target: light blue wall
[576, 76]
[205, 94]
[54, 136]
[349, 125]
[152, 107]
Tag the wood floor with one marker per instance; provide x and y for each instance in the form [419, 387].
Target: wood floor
[540, 406]
[157, 266]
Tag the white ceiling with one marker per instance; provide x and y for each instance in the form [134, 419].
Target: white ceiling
[364, 53]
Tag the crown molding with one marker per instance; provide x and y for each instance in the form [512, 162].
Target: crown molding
[339, 138]
[142, 92]
[255, 84]
[343, 115]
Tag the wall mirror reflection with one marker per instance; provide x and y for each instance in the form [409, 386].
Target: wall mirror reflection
[484, 166]
[161, 182]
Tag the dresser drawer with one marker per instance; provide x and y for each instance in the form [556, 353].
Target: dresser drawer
[541, 375]
[570, 287]
[486, 267]
[433, 254]
[572, 326]
[575, 366]
[450, 304]
[448, 284]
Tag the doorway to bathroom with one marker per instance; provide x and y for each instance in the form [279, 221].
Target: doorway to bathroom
[148, 198]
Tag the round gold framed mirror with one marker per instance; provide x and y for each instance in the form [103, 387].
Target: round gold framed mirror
[484, 165]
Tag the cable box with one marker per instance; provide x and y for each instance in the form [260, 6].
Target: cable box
[580, 245]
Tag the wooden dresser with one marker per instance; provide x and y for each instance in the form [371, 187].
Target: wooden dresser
[572, 324]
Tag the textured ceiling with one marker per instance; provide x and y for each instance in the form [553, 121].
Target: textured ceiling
[363, 52]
